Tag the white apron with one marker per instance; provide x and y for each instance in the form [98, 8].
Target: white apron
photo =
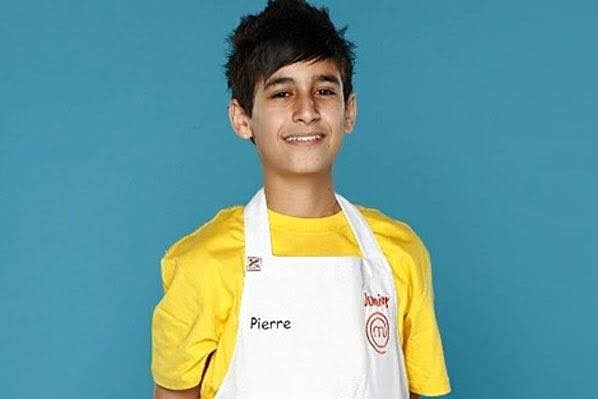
[315, 327]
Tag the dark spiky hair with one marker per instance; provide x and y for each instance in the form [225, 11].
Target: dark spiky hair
[285, 32]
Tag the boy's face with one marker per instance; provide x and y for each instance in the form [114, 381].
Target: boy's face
[299, 118]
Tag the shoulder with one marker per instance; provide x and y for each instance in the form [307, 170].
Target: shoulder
[391, 232]
[405, 251]
[220, 232]
[211, 249]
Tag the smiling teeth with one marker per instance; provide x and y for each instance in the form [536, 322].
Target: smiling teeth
[304, 138]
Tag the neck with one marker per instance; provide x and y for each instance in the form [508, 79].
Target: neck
[309, 196]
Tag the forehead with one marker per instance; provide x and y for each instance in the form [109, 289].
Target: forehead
[304, 71]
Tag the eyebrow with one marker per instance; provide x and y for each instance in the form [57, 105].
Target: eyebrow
[326, 77]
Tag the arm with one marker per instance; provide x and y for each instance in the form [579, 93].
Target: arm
[413, 395]
[184, 325]
[163, 393]
[426, 367]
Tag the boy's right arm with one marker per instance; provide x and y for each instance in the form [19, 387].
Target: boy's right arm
[163, 393]
[185, 325]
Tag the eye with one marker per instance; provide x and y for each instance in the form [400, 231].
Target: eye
[281, 94]
[326, 92]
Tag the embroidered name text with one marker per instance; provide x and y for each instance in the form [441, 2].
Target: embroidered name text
[370, 300]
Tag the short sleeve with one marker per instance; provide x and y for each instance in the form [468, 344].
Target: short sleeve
[184, 324]
[422, 346]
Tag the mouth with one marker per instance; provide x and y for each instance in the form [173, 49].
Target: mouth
[309, 138]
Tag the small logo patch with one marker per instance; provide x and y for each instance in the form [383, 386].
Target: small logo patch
[254, 263]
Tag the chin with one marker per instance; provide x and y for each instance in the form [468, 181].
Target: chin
[294, 168]
[307, 171]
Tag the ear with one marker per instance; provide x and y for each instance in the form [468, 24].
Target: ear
[239, 120]
[350, 112]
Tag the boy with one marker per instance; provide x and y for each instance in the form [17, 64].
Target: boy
[299, 294]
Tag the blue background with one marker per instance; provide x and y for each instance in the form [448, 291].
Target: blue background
[477, 125]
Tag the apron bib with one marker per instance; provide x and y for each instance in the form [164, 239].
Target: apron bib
[318, 326]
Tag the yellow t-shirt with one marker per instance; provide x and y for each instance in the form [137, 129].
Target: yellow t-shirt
[202, 276]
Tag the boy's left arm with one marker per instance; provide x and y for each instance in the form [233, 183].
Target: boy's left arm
[423, 345]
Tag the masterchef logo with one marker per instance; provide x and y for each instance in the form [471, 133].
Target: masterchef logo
[377, 327]
[378, 332]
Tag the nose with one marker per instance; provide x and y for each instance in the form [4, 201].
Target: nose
[305, 110]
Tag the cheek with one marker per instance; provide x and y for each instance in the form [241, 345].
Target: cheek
[334, 110]
[267, 123]
[336, 118]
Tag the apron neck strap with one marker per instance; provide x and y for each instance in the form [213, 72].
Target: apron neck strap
[258, 241]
